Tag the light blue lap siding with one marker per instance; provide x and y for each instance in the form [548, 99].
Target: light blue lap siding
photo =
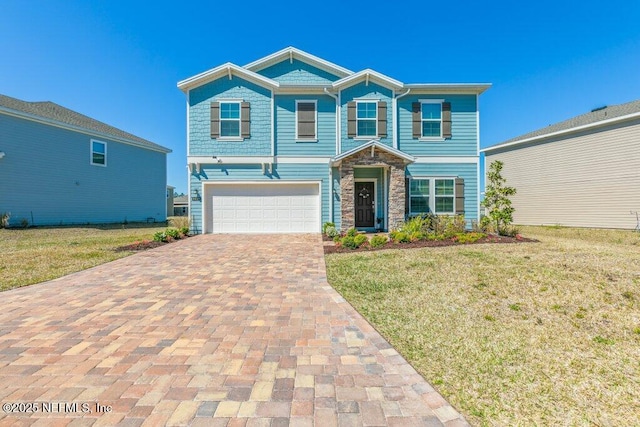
[286, 144]
[361, 90]
[466, 171]
[200, 98]
[298, 73]
[281, 173]
[464, 128]
[47, 179]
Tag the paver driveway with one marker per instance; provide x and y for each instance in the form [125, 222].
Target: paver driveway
[213, 330]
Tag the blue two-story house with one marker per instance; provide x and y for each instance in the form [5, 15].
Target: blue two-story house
[291, 141]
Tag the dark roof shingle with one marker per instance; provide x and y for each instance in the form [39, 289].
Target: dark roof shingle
[53, 111]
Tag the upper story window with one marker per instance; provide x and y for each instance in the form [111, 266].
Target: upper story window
[98, 153]
[431, 119]
[306, 121]
[229, 119]
[437, 195]
[367, 119]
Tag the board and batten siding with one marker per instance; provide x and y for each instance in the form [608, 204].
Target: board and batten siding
[285, 122]
[200, 98]
[590, 179]
[47, 177]
[253, 172]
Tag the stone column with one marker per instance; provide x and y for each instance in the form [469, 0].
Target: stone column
[346, 196]
[397, 193]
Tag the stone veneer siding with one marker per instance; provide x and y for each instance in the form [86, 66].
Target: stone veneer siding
[396, 177]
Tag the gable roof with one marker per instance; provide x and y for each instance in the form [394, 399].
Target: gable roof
[374, 143]
[226, 69]
[291, 53]
[595, 118]
[369, 75]
[52, 113]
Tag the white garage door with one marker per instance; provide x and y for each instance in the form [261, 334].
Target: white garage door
[265, 208]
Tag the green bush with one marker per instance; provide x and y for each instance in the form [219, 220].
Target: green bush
[352, 232]
[471, 237]
[327, 225]
[360, 240]
[416, 235]
[184, 231]
[378, 240]
[174, 233]
[331, 232]
[399, 236]
[160, 236]
[348, 242]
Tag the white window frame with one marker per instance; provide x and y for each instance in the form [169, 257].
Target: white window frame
[91, 142]
[239, 119]
[432, 194]
[430, 138]
[367, 101]
[307, 101]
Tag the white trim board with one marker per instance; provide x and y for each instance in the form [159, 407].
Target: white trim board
[447, 159]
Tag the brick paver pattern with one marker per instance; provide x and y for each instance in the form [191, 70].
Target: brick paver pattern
[214, 330]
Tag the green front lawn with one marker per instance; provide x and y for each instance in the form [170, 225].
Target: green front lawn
[35, 255]
[517, 334]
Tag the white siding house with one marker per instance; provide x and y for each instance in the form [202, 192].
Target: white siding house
[583, 172]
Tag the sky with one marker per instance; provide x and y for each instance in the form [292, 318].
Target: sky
[119, 61]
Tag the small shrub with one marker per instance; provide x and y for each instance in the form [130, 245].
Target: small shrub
[471, 237]
[173, 233]
[378, 240]
[331, 232]
[4, 219]
[348, 242]
[486, 225]
[399, 236]
[416, 236]
[455, 225]
[184, 231]
[160, 236]
[327, 225]
[413, 225]
[360, 240]
[510, 231]
[352, 232]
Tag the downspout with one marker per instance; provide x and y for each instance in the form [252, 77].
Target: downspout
[337, 150]
[395, 116]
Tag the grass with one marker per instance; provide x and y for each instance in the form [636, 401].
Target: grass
[35, 255]
[526, 334]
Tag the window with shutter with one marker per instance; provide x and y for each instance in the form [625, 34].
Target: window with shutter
[306, 121]
[431, 119]
[230, 120]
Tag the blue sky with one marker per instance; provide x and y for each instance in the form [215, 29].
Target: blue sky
[119, 61]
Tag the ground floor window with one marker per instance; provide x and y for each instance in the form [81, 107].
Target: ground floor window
[421, 190]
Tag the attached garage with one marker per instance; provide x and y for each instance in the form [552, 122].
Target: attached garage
[257, 207]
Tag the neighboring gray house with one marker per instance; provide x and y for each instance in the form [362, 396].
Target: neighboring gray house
[181, 206]
[61, 167]
[583, 172]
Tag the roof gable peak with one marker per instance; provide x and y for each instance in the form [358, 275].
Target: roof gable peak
[292, 53]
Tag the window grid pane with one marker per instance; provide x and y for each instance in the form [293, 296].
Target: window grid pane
[431, 111]
[98, 159]
[230, 110]
[419, 205]
[367, 110]
[430, 128]
[229, 128]
[98, 148]
[444, 204]
[444, 187]
[367, 128]
[419, 187]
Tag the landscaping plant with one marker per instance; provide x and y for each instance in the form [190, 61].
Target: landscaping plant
[496, 199]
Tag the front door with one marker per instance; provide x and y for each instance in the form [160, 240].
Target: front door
[365, 204]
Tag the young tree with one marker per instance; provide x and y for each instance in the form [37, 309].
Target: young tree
[496, 198]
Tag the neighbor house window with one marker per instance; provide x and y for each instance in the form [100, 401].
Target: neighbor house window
[431, 120]
[98, 153]
[229, 119]
[367, 118]
[306, 121]
[419, 196]
[432, 195]
[444, 196]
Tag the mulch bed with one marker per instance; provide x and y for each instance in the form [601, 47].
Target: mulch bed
[140, 246]
[332, 249]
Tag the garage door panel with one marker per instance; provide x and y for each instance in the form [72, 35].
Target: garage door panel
[265, 208]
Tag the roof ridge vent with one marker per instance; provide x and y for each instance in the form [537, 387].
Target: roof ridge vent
[599, 108]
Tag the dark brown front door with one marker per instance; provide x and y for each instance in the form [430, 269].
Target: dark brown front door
[365, 202]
